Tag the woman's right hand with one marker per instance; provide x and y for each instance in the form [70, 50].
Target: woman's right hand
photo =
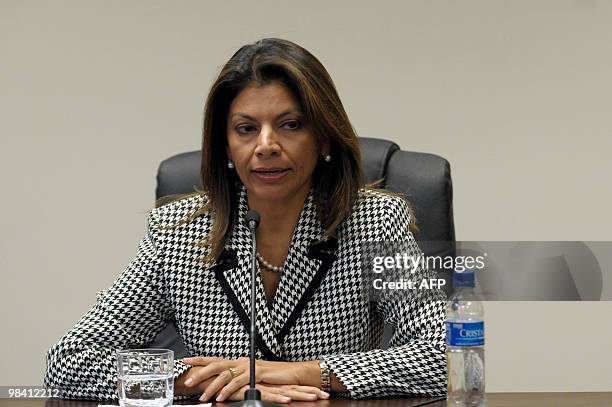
[283, 393]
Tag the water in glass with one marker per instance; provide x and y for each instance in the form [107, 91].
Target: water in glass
[145, 377]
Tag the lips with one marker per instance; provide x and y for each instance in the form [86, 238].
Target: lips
[270, 171]
[271, 175]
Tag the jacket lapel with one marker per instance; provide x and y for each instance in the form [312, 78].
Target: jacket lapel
[304, 270]
[307, 262]
[235, 280]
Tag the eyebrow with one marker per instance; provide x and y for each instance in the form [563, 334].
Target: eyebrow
[285, 113]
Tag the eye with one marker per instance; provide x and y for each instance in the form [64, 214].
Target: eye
[292, 124]
[245, 128]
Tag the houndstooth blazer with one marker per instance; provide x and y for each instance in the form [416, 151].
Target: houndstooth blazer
[318, 312]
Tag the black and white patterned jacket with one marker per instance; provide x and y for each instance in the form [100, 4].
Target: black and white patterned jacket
[319, 310]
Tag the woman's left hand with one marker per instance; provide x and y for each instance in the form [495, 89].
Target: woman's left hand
[280, 373]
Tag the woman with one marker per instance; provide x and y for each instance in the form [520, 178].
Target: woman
[276, 140]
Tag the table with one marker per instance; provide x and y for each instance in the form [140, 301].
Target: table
[493, 400]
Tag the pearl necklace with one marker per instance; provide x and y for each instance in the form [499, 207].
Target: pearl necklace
[267, 265]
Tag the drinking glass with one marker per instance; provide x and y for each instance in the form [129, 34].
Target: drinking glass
[145, 377]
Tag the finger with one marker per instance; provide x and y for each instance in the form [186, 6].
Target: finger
[238, 395]
[217, 384]
[188, 377]
[233, 385]
[204, 373]
[200, 360]
[297, 395]
[198, 389]
[275, 393]
[269, 396]
[308, 389]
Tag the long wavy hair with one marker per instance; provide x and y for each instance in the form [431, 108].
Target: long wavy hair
[335, 184]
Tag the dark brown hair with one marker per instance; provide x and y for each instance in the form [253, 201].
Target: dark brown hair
[336, 183]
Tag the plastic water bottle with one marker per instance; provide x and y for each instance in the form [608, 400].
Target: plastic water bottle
[465, 343]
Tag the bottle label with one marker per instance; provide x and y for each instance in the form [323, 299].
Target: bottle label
[465, 333]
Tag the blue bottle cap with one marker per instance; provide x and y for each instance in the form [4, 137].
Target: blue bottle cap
[465, 278]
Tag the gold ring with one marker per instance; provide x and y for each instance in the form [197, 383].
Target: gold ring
[233, 372]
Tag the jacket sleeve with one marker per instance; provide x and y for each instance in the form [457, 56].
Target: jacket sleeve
[127, 315]
[415, 363]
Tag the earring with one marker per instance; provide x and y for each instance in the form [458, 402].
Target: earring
[327, 157]
[230, 164]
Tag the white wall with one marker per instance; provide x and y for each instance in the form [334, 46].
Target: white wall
[516, 95]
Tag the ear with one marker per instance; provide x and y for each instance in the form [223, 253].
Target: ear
[228, 152]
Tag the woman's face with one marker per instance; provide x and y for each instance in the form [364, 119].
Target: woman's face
[273, 148]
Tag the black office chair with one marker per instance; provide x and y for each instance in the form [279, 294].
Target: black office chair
[424, 178]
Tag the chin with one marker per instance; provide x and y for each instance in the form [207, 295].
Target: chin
[271, 192]
[275, 192]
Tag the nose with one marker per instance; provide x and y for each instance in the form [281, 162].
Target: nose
[267, 143]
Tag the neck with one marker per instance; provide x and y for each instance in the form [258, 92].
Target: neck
[278, 217]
